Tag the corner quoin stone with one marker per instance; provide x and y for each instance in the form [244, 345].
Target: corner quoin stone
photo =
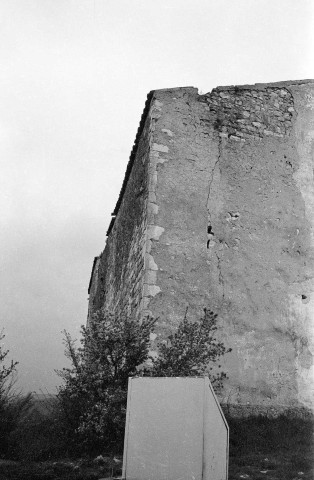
[217, 210]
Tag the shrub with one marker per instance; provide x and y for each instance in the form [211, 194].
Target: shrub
[93, 397]
[192, 351]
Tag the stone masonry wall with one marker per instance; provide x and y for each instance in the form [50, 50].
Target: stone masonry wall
[118, 274]
[241, 113]
[226, 221]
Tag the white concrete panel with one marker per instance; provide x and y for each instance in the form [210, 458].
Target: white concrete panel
[165, 436]
[216, 438]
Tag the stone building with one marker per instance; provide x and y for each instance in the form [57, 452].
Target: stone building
[217, 210]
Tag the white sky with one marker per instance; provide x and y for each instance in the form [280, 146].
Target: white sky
[74, 75]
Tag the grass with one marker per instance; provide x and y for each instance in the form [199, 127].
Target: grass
[58, 470]
[272, 449]
[260, 449]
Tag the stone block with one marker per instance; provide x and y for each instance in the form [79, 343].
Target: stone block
[154, 232]
[150, 263]
[160, 148]
[150, 290]
[150, 277]
[233, 137]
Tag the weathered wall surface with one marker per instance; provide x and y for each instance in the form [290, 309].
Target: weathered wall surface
[261, 241]
[226, 221]
[180, 164]
[118, 273]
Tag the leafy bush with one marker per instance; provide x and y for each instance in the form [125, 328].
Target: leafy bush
[192, 351]
[93, 397]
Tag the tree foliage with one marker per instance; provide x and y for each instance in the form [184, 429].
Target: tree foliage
[192, 351]
[93, 397]
[94, 391]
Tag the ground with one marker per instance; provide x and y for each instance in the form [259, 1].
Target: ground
[260, 449]
[273, 466]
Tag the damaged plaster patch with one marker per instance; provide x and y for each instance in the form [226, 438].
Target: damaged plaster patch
[168, 132]
[233, 216]
[251, 113]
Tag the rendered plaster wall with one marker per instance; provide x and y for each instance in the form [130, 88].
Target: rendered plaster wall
[234, 192]
[217, 211]
[181, 166]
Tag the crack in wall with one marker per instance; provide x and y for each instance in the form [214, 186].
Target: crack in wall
[210, 233]
[213, 170]
[220, 276]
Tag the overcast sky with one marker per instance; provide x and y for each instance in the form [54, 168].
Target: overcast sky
[74, 75]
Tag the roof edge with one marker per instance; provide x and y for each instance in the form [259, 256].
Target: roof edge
[259, 86]
[256, 86]
[131, 158]
[92, 274]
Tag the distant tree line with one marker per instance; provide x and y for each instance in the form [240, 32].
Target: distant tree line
[13, 405]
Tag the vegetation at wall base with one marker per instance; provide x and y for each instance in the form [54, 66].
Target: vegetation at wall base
[192, 350]
[47, 443]
[93, 397]
[260, 448]
[94, 394]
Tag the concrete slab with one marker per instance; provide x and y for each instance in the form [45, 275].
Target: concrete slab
[175, 430]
